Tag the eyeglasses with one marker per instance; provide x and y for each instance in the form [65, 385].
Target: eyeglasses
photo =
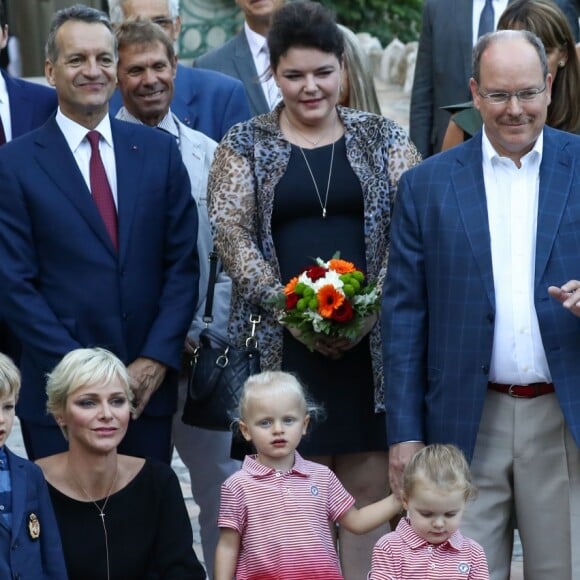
[523, 96]
[163, 21]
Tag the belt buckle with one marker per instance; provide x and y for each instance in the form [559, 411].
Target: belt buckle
[513, 394]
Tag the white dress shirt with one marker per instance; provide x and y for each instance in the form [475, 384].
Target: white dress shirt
[518, 355]
[5, 110]
[498, 7]
[75, 136]
[261, 55]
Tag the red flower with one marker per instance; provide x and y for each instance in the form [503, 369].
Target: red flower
[316, 272]
[343, 313]
[291, 301]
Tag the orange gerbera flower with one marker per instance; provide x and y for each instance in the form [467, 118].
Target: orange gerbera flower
[341, 266]
[289, 288]
[329, 299]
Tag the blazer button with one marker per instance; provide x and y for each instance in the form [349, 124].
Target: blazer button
[490, 317]
[485, 369]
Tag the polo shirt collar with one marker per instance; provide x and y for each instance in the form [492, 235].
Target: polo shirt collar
[414, 541]
[256, 469]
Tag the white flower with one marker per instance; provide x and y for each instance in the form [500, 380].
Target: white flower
[331, 278]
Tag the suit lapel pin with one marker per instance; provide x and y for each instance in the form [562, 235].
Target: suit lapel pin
[33, 526]
[134, 147]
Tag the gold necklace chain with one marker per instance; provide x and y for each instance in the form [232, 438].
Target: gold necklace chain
[314, 144]
[101, 513]
[322, 205]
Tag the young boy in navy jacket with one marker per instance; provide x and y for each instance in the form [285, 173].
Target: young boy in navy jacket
[30, 544]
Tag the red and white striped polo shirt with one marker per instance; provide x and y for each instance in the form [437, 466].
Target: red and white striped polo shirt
[283, 520]
[403, 555]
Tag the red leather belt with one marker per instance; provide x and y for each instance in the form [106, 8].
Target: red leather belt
[523, 391]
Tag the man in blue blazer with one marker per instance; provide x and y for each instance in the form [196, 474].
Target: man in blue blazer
[241, 57]
[206, 101]
[70, 276]
[27, 106]
[30, 104]
[476, 351]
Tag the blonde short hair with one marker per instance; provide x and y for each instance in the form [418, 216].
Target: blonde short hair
[274, 383]
[443, 466]
[9, 378]
[80, 368]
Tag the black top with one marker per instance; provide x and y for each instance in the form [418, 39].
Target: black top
[345, 386]
[148, 529]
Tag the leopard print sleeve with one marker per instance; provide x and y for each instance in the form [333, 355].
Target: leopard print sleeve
[233, 211]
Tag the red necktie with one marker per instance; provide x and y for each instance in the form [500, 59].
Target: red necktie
[100, 188]
[2, 134]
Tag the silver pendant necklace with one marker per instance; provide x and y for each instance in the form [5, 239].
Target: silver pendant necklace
[102, 514]
[324, 204]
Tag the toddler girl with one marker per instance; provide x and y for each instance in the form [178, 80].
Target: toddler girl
[276, 513]
[428, 543]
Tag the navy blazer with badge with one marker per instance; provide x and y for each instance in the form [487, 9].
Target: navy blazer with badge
[30, 105]
[63, 283]
[207, 101]
[34, 551]
[439, 305]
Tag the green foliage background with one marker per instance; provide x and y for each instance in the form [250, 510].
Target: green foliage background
[385, 19]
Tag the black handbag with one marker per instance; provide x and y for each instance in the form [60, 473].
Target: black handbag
[218, 370]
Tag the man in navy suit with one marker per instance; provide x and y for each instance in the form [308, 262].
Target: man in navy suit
[478, 349]
[246, 56]
[23, 107]
[206, 101]
[74, 274]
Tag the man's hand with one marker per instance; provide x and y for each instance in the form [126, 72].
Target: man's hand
[399, 455]
[146, 375]
[190, 345]
[568, 295]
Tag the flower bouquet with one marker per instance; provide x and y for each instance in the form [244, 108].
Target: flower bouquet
[330, 298]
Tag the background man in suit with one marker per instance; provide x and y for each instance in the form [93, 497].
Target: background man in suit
[246, 56]
[206, 101]
[23, 107]
[147, 64]
[117, 268]
[476, 351]
[449, 30]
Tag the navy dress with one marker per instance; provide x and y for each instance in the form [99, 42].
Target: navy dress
[345, 386]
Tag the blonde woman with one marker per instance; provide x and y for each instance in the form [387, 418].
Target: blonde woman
[120, 517]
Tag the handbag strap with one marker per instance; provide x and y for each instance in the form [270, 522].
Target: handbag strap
[255, 318]
[208, 312]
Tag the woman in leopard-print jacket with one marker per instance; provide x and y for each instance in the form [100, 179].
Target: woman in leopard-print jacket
[248, 164]
[272, 213]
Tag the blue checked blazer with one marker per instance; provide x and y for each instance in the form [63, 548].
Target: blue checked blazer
[438, 302]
